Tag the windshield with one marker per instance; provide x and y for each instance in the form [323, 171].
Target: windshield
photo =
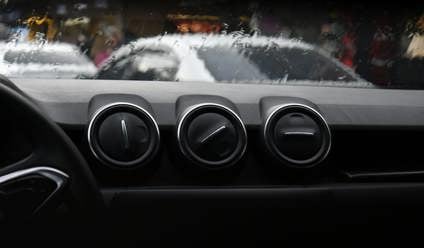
[271, 64]
[355, 44]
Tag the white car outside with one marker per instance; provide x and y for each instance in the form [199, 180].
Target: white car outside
[193, 59]
[50, 60]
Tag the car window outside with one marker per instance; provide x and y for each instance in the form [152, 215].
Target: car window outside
[356, 41]
[275, 64]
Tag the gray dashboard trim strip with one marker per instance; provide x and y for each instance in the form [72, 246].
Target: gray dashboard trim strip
[66, 101]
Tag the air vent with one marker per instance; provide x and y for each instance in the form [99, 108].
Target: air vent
[297, 135]
[212, 136]
[123, 135]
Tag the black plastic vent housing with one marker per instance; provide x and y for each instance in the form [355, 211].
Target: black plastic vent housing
[297, 135]
[211, 135]
[123, 135]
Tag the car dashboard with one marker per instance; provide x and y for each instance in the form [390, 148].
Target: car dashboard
[348, 153]
[359, 122]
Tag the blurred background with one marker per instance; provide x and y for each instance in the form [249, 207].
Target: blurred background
[383, 43]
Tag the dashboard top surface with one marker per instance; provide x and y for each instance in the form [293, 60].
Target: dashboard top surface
[66, 101]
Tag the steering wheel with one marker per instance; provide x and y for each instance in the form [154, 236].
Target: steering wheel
[54, 171]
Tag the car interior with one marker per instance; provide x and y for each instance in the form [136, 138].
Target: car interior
[141, 155]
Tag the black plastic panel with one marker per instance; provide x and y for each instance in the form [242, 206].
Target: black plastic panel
[339, 214]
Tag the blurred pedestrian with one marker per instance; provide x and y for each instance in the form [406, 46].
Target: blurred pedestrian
[113, 39]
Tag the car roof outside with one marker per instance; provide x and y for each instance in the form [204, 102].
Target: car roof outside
[196, 41]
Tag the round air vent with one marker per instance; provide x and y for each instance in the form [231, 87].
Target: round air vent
[123, 135]
[212, 136]
[298, 135]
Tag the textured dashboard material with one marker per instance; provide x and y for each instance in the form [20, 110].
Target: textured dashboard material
[66, 101]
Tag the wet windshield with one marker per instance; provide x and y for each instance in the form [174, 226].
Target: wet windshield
[40, 57]
[271, 63]
[355, 44]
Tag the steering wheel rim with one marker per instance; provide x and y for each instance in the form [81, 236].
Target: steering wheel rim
[52, 148]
